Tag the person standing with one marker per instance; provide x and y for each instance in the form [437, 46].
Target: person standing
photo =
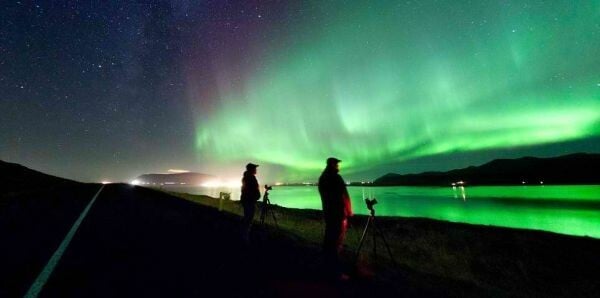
[336, 210]
[249, 196]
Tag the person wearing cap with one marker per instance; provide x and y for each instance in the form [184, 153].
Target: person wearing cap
[249, 196]
[336, 210]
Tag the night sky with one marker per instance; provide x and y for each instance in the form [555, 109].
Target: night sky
[107, 90]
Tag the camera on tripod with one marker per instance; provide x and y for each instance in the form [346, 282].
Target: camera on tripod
[266, 206]
[370, 203]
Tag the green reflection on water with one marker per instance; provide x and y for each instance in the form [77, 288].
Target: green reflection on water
[571, 210]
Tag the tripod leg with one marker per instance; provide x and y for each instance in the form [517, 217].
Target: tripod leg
[274, 218]
[374, 241]
[262, 214]
[362, 240]
[386, 245]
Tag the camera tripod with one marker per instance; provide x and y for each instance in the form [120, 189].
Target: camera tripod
[377, 233]
[267, 208]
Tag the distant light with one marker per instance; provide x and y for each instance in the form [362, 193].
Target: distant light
[522, 182]
[278, 183]
[210, 184]
[541, 182]
[220, 183]
[233, 183]
[135, 182]
[176, 171]
[106, 182]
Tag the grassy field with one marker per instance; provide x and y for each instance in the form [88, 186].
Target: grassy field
[453, 258]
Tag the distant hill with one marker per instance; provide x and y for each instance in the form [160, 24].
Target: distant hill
[14, 177]
[189, 178]
[579, 168]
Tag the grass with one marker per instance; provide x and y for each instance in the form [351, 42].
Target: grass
[454, 258]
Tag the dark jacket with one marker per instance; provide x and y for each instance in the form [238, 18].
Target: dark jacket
[334, 196]
[250, 188]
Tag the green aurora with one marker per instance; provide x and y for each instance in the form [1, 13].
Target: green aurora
[382, 82]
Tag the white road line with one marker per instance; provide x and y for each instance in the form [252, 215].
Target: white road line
[41, 280]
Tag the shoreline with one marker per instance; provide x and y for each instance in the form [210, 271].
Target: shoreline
[561, 210]
[499, 260]
[206, 200]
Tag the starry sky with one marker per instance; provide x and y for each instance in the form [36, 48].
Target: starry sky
[107, 90]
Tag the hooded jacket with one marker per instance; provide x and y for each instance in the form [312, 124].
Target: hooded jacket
[334, 195]
[250, 188]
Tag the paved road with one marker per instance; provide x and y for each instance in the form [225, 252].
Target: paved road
[142, 243]
[32, 225]
[137, 242]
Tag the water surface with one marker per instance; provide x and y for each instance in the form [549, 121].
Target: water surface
[567, 209]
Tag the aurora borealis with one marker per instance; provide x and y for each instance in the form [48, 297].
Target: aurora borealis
[391, 81]
[100, 90]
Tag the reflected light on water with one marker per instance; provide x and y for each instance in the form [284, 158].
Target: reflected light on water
[463, 193]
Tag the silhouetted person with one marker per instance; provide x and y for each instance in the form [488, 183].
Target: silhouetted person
[336, 209]
[250, 195]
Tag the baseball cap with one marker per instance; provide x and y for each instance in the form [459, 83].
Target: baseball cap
[251, 166]
[333, 160]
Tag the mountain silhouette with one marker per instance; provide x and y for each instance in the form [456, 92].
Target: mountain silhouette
[578, 168]
[17, 177]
